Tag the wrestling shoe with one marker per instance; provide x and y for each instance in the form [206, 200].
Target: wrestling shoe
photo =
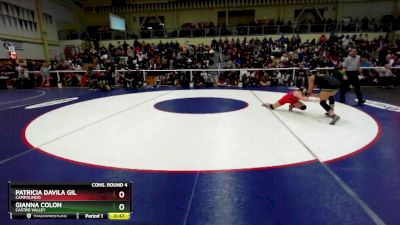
[335, 118]
[361, 103]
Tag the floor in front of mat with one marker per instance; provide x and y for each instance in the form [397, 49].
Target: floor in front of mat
[209, 156]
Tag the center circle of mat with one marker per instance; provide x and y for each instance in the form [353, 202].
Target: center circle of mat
[127, 132]
[200, 105]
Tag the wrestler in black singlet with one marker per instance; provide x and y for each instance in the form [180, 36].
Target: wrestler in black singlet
[330, 85]
[326, 83]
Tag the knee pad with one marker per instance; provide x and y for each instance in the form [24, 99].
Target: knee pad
[331, 100]
[303, 107]
[325, 106]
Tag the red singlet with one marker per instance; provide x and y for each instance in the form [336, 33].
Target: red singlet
[289, 98]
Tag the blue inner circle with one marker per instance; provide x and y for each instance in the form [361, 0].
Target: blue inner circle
[200, 105]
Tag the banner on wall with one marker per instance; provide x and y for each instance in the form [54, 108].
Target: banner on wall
[19, 46]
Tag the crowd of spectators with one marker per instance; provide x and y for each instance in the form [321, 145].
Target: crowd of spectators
[285, 52]
[385, 24]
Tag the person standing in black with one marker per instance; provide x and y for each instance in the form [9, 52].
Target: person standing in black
[351, 64]
[301, 77]
[109, 79]
[129, 79]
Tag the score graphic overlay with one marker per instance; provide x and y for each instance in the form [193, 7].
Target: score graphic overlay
[70, 201]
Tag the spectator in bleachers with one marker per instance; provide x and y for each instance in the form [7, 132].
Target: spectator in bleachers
[92, 79]
[45, 71]
[265, 80]
[386, 77]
